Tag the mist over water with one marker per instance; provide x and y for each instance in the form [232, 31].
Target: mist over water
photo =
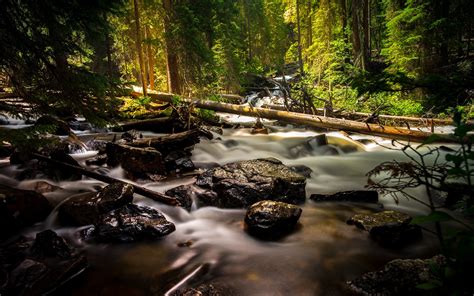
[316, 259]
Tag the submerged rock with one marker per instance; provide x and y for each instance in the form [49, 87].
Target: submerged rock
[399, 277]
[271, 219]
[241, 184]
[19, 208]
[132, 223]
[368, 196]
[86, 208]
[389, 228]
[48, 244]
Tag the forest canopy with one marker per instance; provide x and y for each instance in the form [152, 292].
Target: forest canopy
[402, 56]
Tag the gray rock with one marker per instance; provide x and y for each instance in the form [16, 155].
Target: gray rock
[389, 228]
[271, 219]
[368, 196]
[132, 223]
[204, 290]
[399, 277]
[86, 208]
[241, 184]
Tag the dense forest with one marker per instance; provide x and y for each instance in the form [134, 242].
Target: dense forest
[404, 57]
[236, 147]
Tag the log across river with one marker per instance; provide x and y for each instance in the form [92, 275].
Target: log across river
[310, 120]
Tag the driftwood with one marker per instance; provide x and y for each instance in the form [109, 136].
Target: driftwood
[156, 196]
[424, 121]
[173, 142]
[310, 120]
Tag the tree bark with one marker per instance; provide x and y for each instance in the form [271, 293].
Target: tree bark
[151, 59]
[356, 42]
[139, 46]
[310, 120]
[174, 83]
[298, 24]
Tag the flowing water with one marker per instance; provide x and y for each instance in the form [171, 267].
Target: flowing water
[316, 259]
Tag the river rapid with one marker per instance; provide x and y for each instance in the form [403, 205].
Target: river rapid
[210, 244]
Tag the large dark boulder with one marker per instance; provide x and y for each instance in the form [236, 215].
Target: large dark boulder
[132, 223]
[271, 219]
[137, 161]
[241, 184]
[368, 196]
[19, 208]
[59, 172]
[87, 208]
[41, 268]
[389, 228]
[399, 277]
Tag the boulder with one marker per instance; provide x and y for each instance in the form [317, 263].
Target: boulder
[368, 196]
[19, 208]
[271, 219]
[58, 172]
[302, 170]
[42, 187]
[45, 266]
[87, 208]
[184, 194]
[131, 135]
[389, 228]
[241, 184]
[132, 223]
[98, 160]
[179, 161]
[399, 277]
[138, 161]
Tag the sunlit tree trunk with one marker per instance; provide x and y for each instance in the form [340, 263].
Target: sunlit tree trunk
[300, 54]
[139, 47]
[151, 59]
[174, 85]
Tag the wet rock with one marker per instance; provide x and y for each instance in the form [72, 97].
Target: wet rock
[132, 223]
[389, 228]
[399, 277]
[241, 184]
[98, 145]
[80, 125]
[302, 170]
[259, 131]
[57, 172]
[61, 128]
[203, 290]
[19, 208]
[98, 160]
[184, 194]
[138, 161]
[5, 150]
[42, 187]
[39, 270]
[368, 196]
[87, 208]
[131, 135]
[178, 161]
[48, 244]
[4, 121]
[271, 219]
[231, 143]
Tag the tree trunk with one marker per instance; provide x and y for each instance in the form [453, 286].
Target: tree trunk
[356, 42]
[138, 39]
[174, 83]
[311, 120]
[151, 59]
[300, 54]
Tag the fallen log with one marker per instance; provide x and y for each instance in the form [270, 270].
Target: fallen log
[310, 120]
[424, 121]
[157, 125]
[156, 196]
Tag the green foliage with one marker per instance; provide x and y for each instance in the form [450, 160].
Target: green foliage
[29, 139]
[48, 50]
